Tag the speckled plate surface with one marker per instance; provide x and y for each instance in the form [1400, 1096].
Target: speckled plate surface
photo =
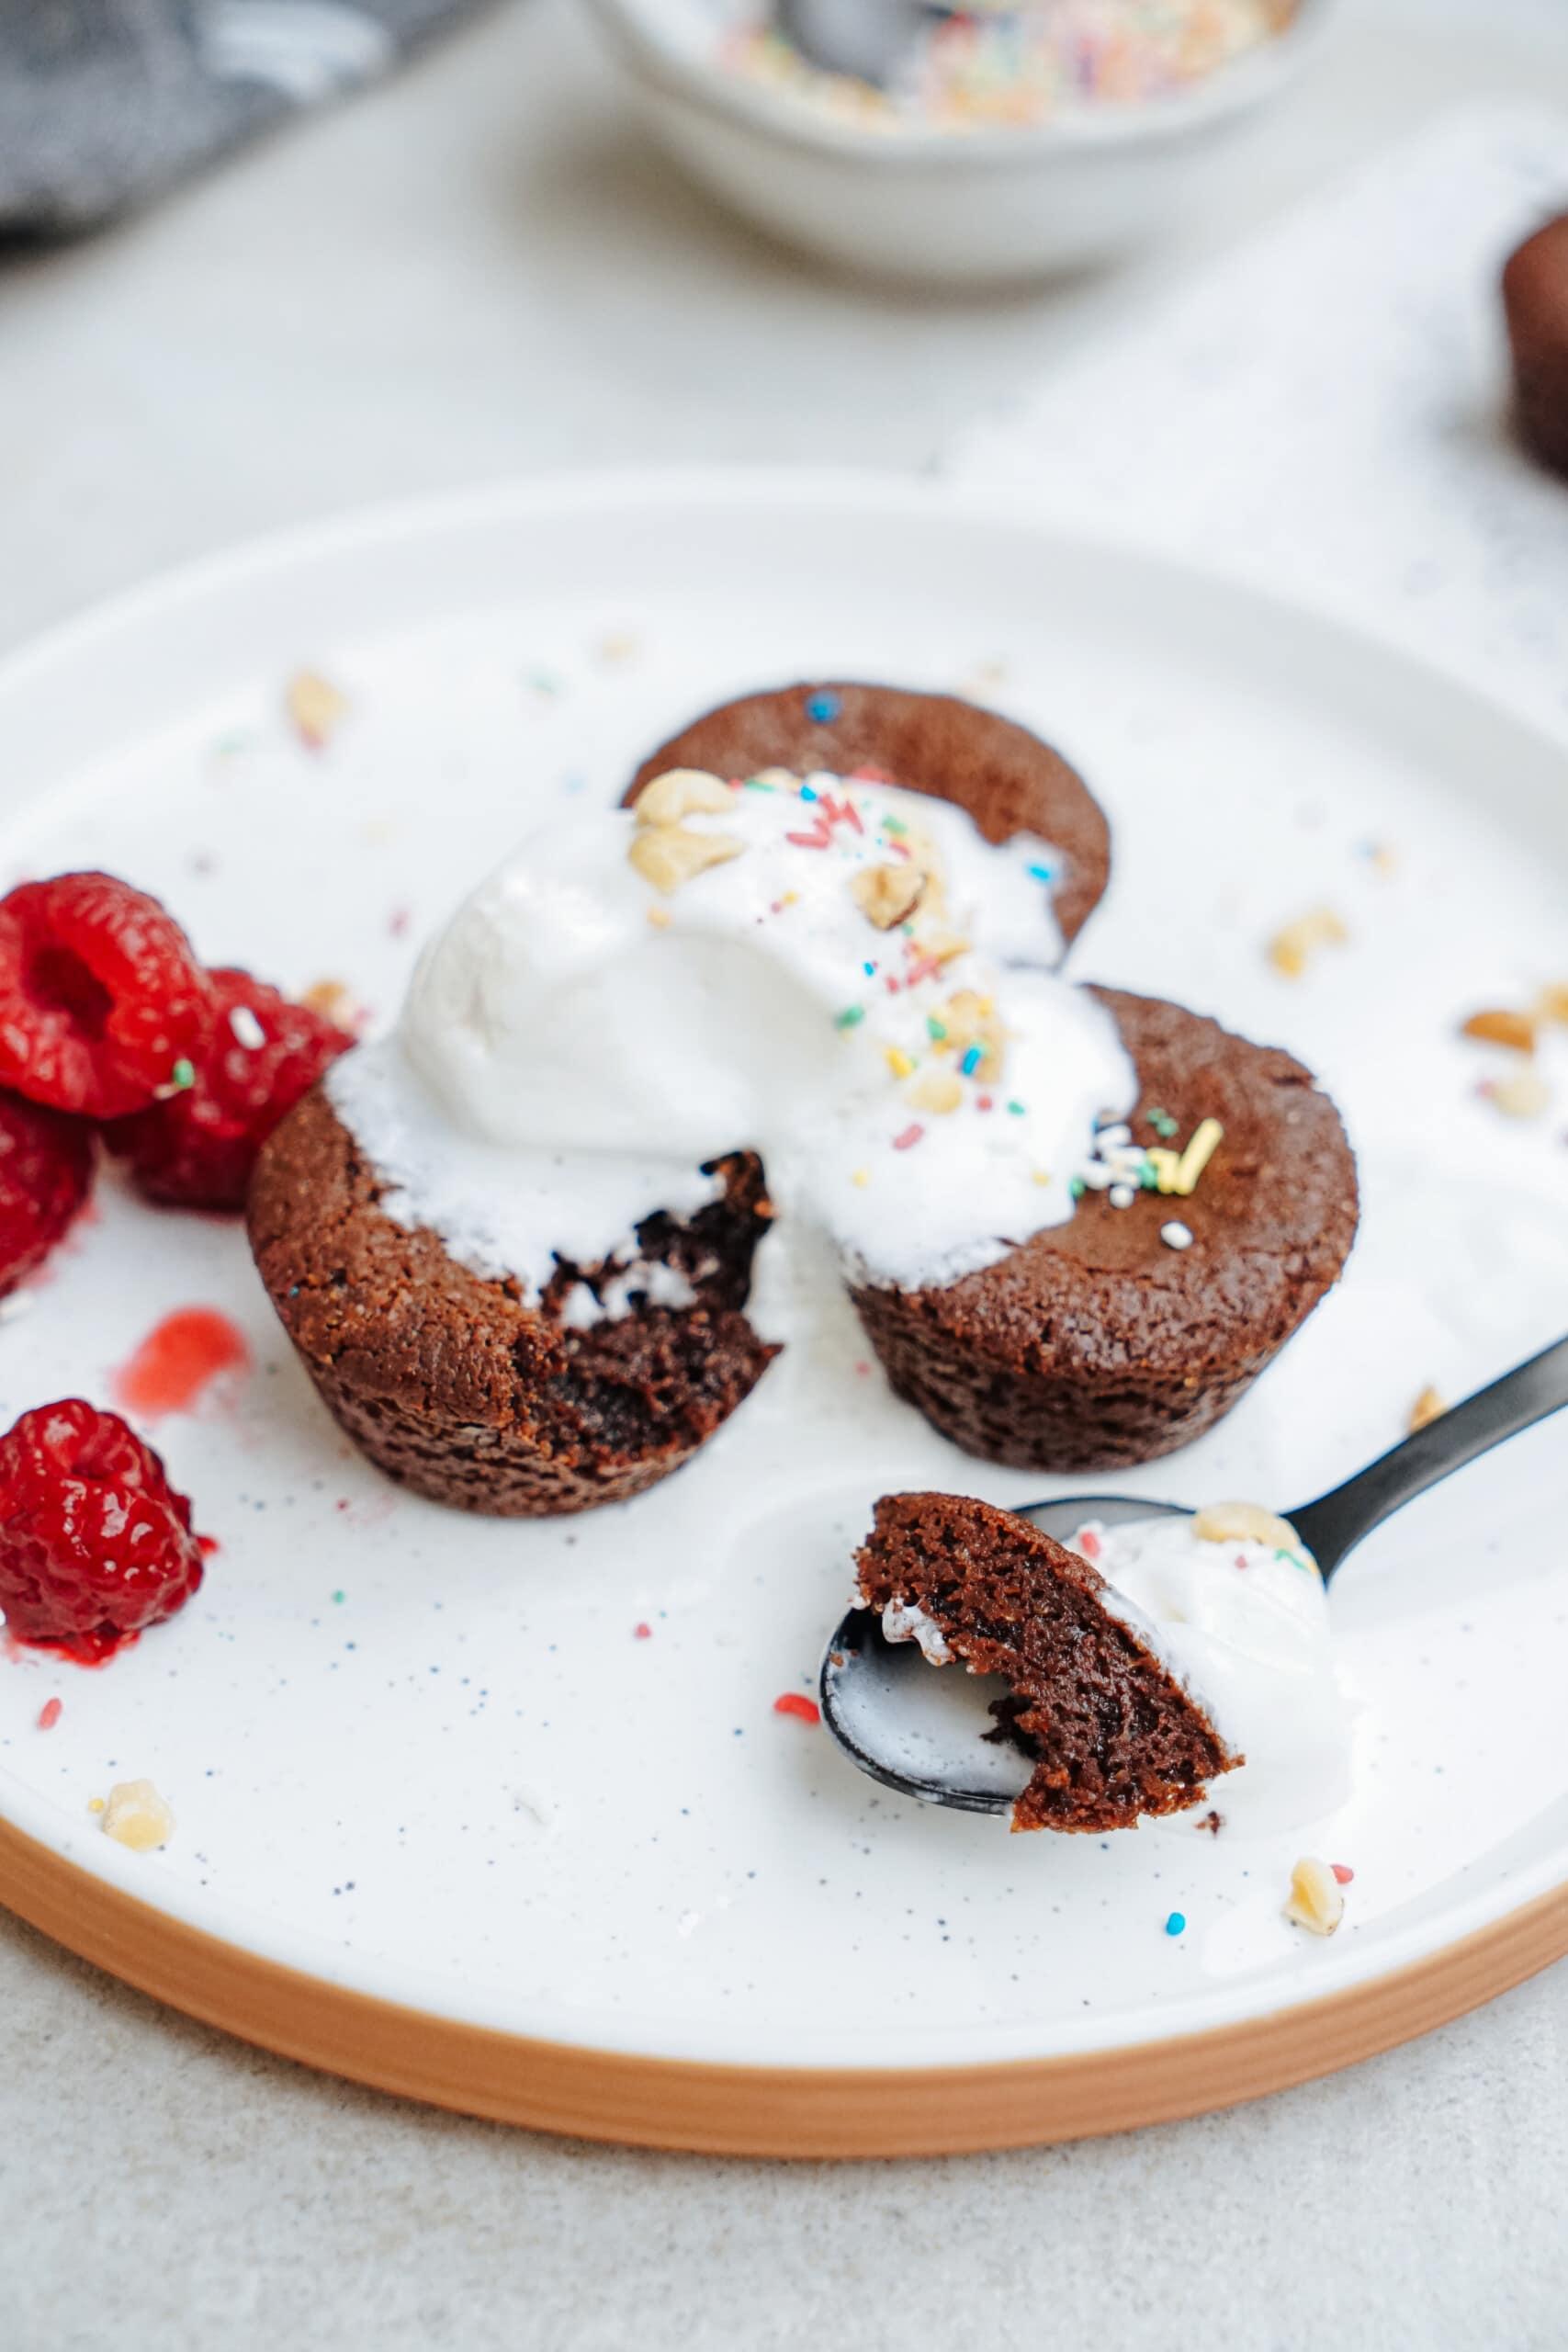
[531, 1779]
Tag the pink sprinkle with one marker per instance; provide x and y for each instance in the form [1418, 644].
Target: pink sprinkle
[397, 922]
[49, 1714]
[899, 849]
[1088, 1542]
[642, 1633]
[982, 1101]
[795, 1702]
[869, 775]
[921, 967]
[911, 1135]
[820, 838]
[862, 1370]
[1342, 1871]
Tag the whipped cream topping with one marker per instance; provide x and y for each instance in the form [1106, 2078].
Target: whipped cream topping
[1243, 1625]
[843, 977]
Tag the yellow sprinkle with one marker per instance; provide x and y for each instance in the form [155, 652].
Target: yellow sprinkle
[660, 917]
[1040, 1175]
[1199, 1152]
[1293, 946]
[985, 1007]
[899, 1061]
[790, 899]
[861, 1177]
[1164, 1164]
[94, 1804]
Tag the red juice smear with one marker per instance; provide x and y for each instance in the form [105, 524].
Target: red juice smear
[177, 1360]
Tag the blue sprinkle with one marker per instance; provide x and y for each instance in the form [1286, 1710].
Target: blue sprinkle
[1177, 1924]
[971, 1061]
[868, 969]
[822, 708]
[1044, 873]
[806, 793]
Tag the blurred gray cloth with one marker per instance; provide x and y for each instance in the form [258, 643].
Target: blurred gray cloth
[104, 102]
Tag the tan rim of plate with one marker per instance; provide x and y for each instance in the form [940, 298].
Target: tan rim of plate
[759, 2111]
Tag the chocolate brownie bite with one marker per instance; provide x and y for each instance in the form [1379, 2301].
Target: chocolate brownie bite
[1008, 780]
[454, 1385]
[1535, 305]
[1113, 1733]
[1130, 1329]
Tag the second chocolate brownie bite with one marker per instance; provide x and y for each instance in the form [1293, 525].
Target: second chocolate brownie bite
[1210, 1222]
[1010, 780]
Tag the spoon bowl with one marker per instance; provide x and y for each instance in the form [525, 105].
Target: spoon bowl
[932, 1743]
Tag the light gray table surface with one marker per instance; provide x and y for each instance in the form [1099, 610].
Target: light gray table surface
[483, 270]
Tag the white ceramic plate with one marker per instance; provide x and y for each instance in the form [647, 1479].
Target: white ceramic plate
[431, 1760]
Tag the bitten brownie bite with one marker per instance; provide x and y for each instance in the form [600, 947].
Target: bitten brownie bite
[1008, 780]
[1114, 1735]
[456, 1387]
[1129, 1329]
[1535, 304]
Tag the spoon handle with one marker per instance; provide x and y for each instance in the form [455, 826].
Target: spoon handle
[1335, 1524]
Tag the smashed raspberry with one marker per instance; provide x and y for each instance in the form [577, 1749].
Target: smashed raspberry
[94, 1543]
[257, 1054]
[100, 995]
[46, 1173]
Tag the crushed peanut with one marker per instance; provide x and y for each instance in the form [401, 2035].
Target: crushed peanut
[1524, 1095]
[667, 856]
[314, 707]
[336, 1002]
[887, 895]
[1293, 946]
[682, 792]
[1244, 1523]
[938, 1090]
[1500, 1027]
[137, 1816]
[1428, 1406]
[968, 1019]
[1315, 1900]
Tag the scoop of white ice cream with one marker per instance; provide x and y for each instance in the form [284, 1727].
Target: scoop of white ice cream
[845, 977]
[1243, 1622]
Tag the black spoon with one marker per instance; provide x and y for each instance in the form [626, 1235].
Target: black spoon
[867, 38]
[922, 1733]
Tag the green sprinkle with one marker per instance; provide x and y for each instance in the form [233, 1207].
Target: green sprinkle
[935, 1029]
[849, 1016]
[183, 1075]
[1162, 1124]
[1148, 1177]
[757, 784]
[338, 1596]
[1017, 1109]
[894, 825]
[1075, 1186]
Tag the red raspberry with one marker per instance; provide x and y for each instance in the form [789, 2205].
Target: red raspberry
[99, 994]
[46, 1173]
[256, 1055]
[94, 1543]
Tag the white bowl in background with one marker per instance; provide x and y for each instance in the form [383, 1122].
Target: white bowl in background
[932, 206]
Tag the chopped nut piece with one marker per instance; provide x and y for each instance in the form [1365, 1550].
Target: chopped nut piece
[137, 1816]
[336, 1002]
[937, 1090]
[1428, 1406]
[887, 895]
[1524, 1096]
[1244, 1523]
[1315, 1900]
[1293, 946]
[1503, 1028]
[668, 855]
[969, 1019]
[682, 792]
[315, 706]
